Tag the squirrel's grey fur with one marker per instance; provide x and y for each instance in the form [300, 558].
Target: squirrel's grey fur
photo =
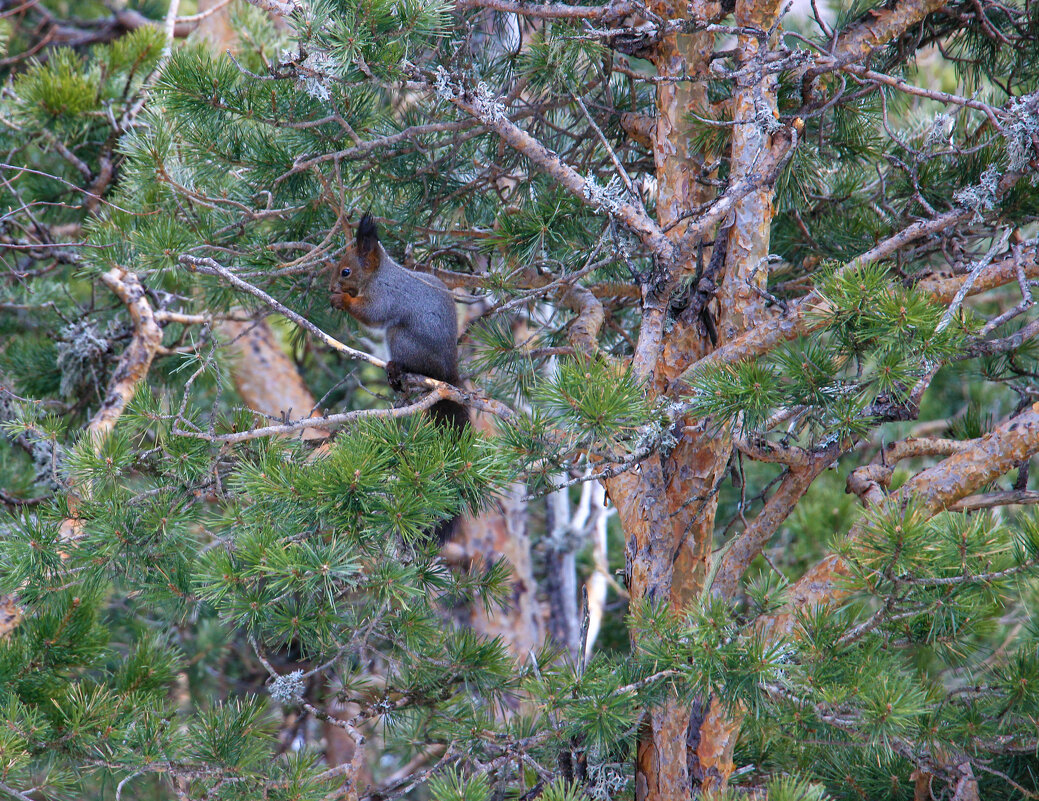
[417, 311]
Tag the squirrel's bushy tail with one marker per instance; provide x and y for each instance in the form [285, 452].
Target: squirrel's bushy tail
[451, 414]
[445, 529]
[454, 415]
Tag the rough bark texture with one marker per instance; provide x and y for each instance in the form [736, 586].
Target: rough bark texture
[746, 261]
[667, 506]
[667, 509]
[669, 539]
[971, 465]
[882, 25]
[806, 316]
[777, 508]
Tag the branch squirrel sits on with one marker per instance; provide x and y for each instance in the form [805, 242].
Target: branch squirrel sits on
[418, 313]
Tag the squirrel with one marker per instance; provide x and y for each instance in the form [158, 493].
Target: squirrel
[418, 313]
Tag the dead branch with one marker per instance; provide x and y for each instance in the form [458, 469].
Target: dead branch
[323, 423]
[613, 9]
[131, 370]
[486, 111]
[136, 359]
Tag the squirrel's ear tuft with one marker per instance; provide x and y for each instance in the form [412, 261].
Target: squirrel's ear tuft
[368, 242]
[367, 234]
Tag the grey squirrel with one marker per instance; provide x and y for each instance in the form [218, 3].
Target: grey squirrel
[418, 313]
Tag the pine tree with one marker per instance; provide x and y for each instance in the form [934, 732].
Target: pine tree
[716, 262]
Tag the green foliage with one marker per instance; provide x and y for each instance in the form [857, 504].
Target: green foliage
[175, 571]
[58, 95]
[451, 786]
[556, 60]
[594, 399]
[879, 340]
[544, 228]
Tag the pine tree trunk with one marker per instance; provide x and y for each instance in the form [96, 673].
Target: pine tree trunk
[669, 537]
[667, 510]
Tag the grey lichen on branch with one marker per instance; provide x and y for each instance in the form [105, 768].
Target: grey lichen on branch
[132, 369]
[282, 8]
[480, 102]
[328, 421]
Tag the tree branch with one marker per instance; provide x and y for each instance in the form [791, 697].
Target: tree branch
[932, 490]
[617, 8]
[803, 316]
[746, 547]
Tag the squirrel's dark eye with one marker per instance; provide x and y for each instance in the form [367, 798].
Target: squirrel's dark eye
[346, 272]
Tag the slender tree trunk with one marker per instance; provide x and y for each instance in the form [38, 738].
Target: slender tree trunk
[501, 531]
[561, 575]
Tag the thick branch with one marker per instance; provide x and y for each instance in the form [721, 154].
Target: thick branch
[584, 331]
[802, 316]
[763, 173]
[136, 359]
[880, 26]
[131, 370]
[989, 500]
[761, 449]
[932, 490]
[943, 290]
[782, 502]
[870, 482]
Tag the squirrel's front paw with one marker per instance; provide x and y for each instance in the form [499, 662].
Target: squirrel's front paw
[395, 376]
